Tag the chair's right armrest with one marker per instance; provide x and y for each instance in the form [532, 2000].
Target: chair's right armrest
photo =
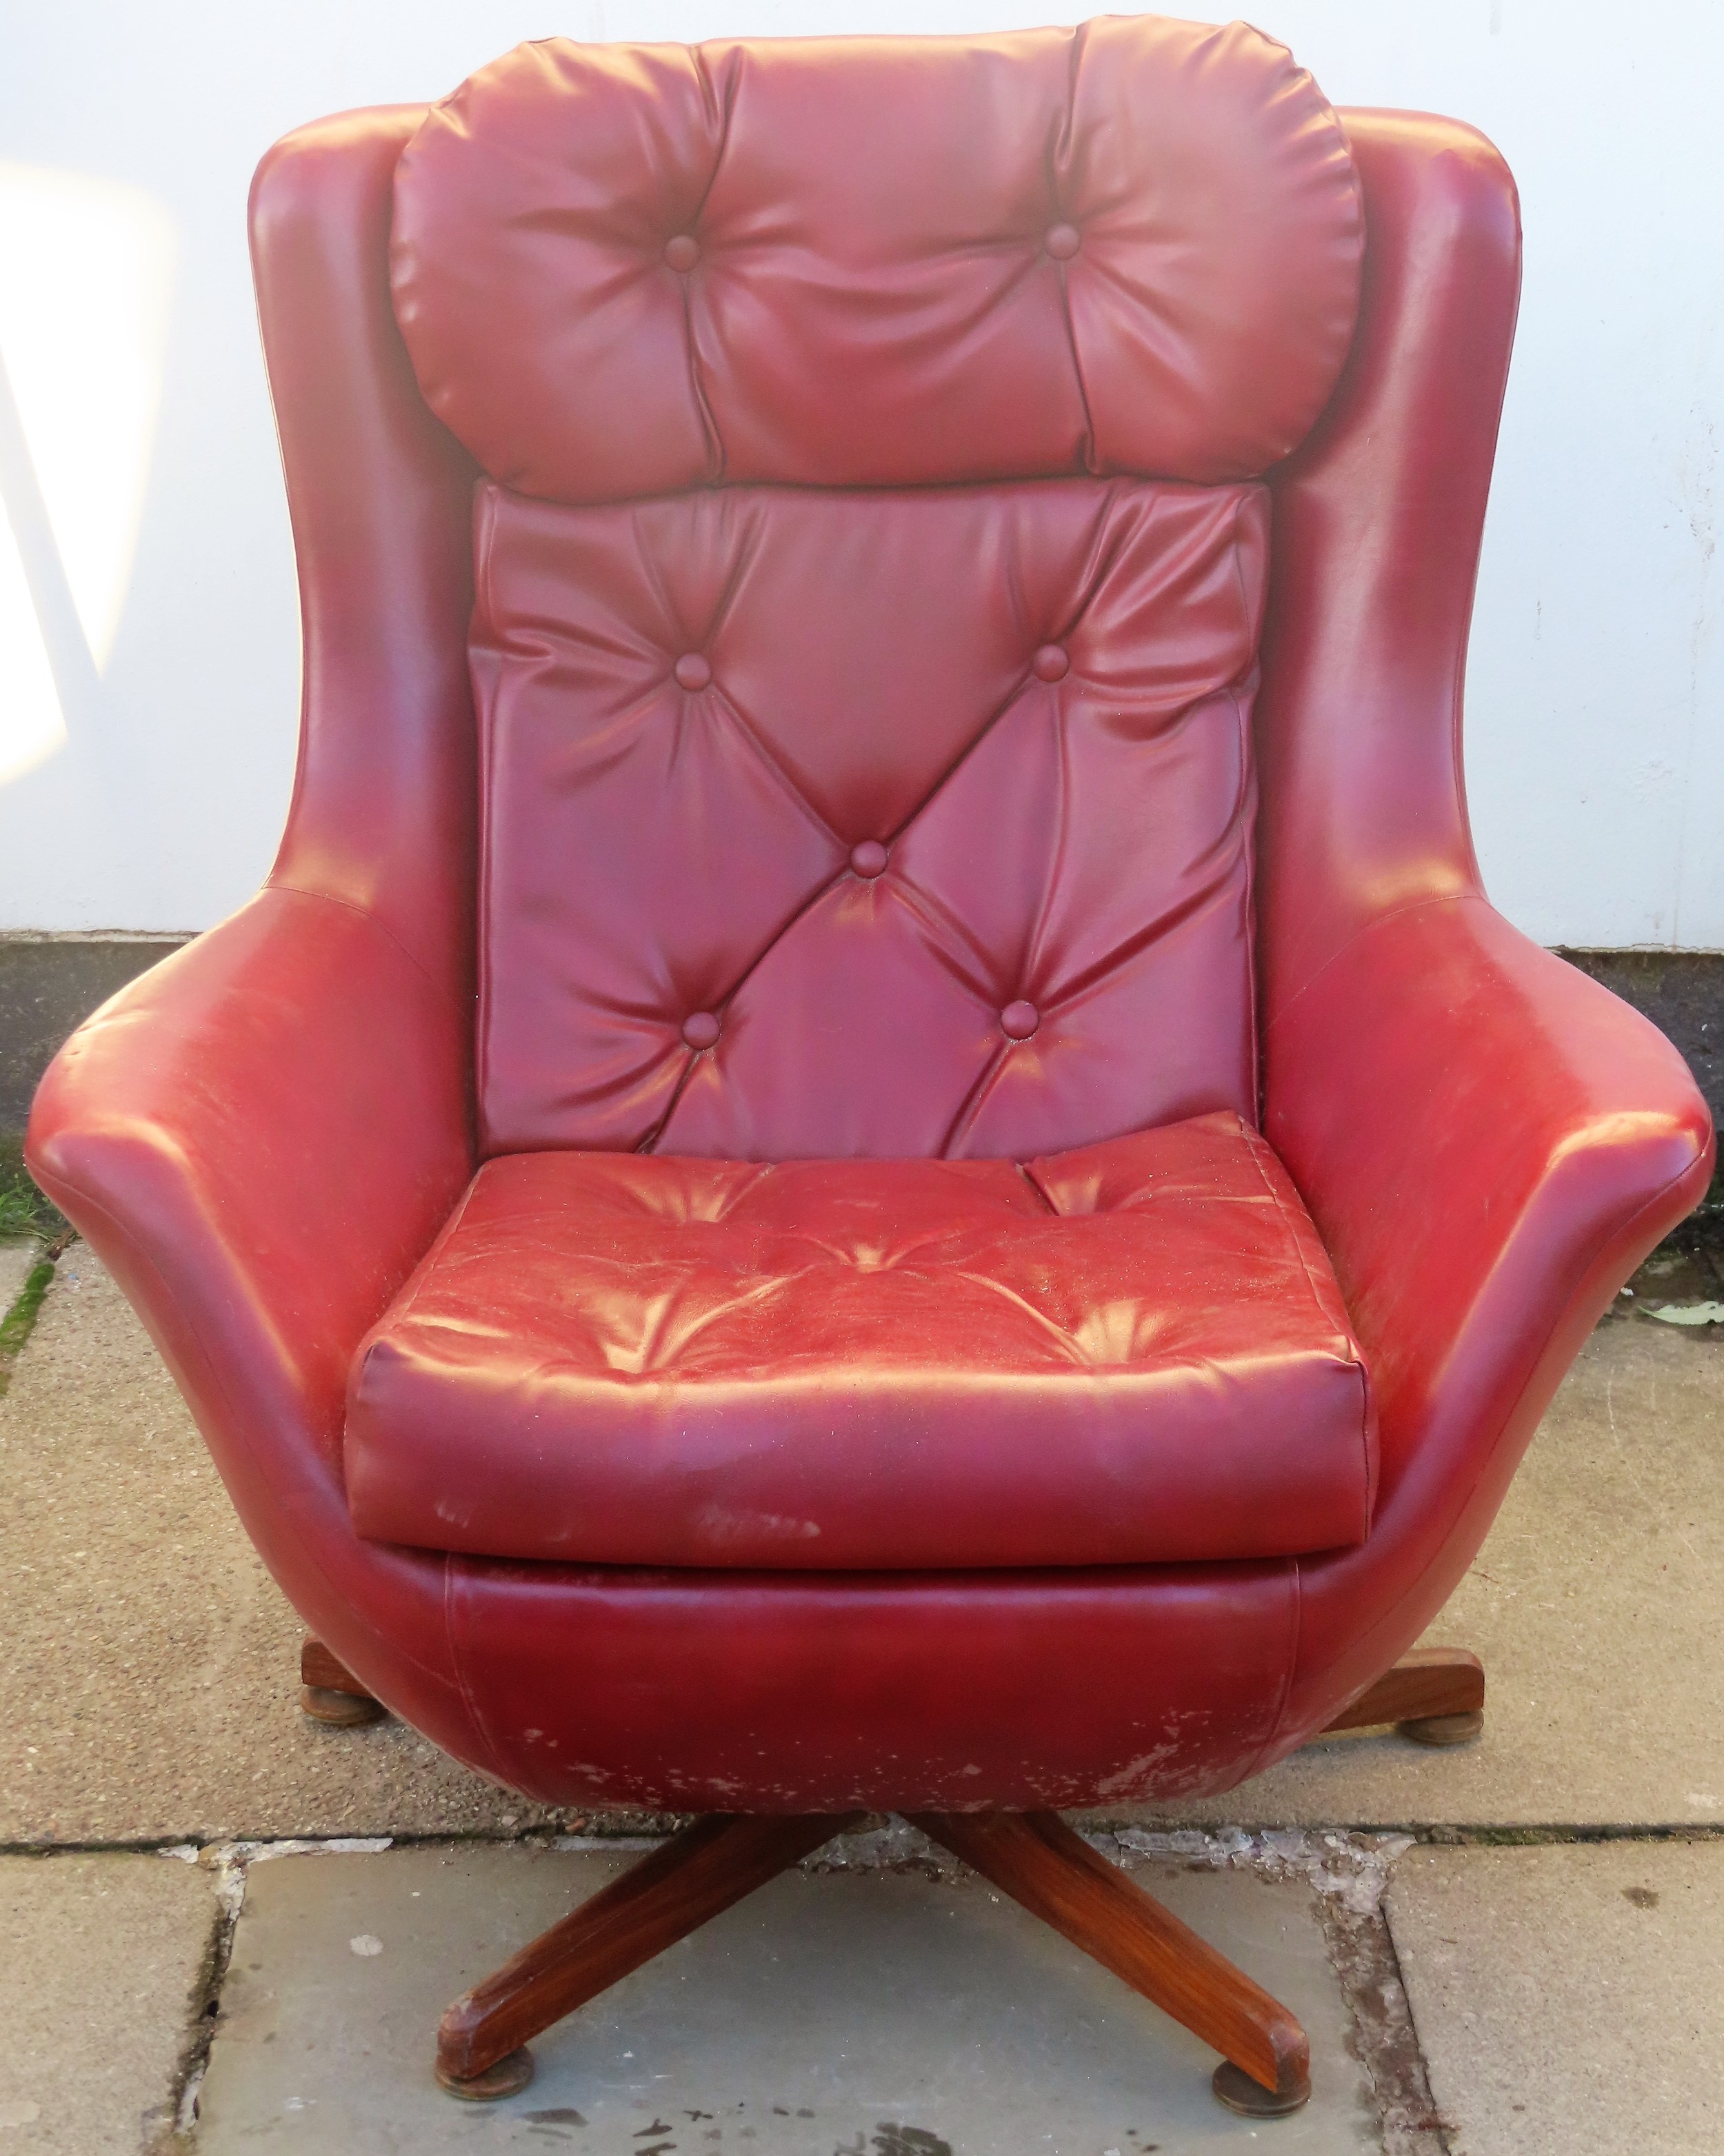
[261, 1138]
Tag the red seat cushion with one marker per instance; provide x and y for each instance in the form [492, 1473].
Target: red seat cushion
[1133, 1354]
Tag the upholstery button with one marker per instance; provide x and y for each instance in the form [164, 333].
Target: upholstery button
[1062, 241]
[1018, 1021]
[683, 251]
[1050, 663]
[692, 671]
[868, 859]
[700, 1029]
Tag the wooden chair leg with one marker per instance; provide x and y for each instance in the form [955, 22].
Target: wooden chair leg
[1436, 1695]
[1040, 1861]
[330, 1694]
[680, 1887]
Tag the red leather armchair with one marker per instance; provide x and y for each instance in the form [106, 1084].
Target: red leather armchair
[714, 1220]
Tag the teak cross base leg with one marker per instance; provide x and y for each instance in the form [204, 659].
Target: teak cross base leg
[1042, 1863]
[693, 1877]
[1034, 1856]
[329, 1694]
[1435, 1696]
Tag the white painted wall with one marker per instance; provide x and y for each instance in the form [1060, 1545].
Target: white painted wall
[127, 138]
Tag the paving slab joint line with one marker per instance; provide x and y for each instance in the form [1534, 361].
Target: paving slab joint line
[229, 1861]
[1348, 1872]
[1175, 1842]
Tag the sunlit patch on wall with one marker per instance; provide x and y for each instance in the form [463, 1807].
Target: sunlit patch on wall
[85, 270]
[31, 726]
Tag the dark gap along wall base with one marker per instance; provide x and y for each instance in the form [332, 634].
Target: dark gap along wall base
[49, 984]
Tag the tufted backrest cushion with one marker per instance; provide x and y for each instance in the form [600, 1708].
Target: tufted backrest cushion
[1129, 248]
[913, 822]
[870, 570]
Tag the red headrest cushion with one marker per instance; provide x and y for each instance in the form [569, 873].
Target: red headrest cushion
[1130, 248]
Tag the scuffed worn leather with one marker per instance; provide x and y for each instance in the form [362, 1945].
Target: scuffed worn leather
[1028, 707]
[262, 1136]
[1131, 247]
[1132, 1353]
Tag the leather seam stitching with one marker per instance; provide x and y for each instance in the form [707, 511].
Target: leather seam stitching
[483, 562]
[1543, 1348]
[456, 1662]
[1246, 809]
[1296, 1633]
[389, 936]
[1369, 928]
[1354, 1360]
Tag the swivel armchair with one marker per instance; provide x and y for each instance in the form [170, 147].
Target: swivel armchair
[873, 1149]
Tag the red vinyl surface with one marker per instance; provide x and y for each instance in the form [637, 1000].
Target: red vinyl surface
[263, 1137]
[1132, 247]
[1132, 1353]
[790, 798]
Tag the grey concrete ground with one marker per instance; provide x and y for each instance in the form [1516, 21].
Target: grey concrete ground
[16, 1261]
[152, 1679]
[828, 2013]
[105, 1961]
[1571, 1998]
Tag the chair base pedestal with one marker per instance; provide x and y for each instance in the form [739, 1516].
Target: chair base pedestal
[1435, 1696]
[1034, 1856]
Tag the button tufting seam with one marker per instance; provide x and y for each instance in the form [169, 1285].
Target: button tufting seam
[936, 917]
[1061, 155]
[726, 102]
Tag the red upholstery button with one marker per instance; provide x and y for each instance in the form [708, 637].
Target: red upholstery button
[868, 859]
[1051, 664]
[692, 671]
[682, 251]
[700, 1029]
[1018, 1021]
[1062, 241]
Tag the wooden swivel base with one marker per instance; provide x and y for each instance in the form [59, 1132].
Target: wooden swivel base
[1034, 1856]
[1435, 1694]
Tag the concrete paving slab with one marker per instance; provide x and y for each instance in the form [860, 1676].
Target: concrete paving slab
[16, 1262]
[1593, 1604]
[154, 1661]
[103, 1962]
[152, 1666]
[1569, 1998]
[869, 2013]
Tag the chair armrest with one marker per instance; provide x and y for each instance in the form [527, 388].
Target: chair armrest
[261, 1138]
[1489, 1142]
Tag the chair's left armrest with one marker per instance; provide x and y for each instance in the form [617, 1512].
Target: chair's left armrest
[261, 1138]
[1489, 1142]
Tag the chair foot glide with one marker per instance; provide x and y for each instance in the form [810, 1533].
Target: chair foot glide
[1054, 1873]
[505, 2077]
[330, 1694]
[1234, 2087]
[1435, 1696]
